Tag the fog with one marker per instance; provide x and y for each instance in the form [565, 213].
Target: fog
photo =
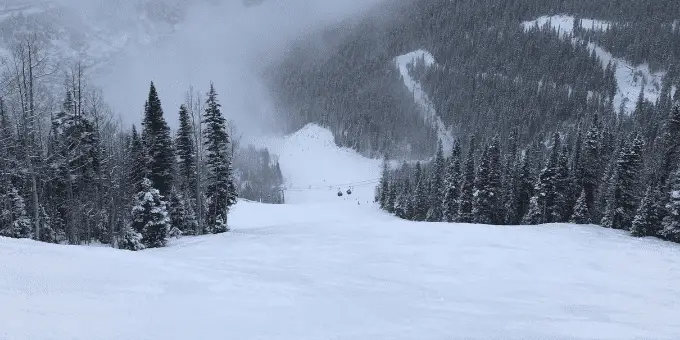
[226, 43]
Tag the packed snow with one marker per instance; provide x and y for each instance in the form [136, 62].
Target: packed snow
[327, 269]
[420, 96]
[630, 79]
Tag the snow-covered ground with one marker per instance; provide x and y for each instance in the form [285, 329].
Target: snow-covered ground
[630, 78]
[328, 268]
[419, 95]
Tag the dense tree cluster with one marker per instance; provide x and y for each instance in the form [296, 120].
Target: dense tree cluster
[75, 175]
[604, 171]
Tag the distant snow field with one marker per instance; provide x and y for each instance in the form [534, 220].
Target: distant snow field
[630, 78]
[329, 268]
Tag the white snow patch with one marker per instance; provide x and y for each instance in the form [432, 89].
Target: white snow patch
[565, 23]
[419, 95]
[630, 79]
[315, 168]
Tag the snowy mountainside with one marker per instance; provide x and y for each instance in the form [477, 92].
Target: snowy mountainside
[315, 169]
[630, 79]
[404, 63]
[328, 268]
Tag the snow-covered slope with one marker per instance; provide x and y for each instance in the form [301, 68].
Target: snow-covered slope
[630, 79]
[332, 269]
[419, 96]
[314, 168]
[335, 271]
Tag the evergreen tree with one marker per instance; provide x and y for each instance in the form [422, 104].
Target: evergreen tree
[130, 239]
[467, 186]
[402, 203]
[186, 151]
[647, 221]
[182, 216]
[420, 197]
[525, 187]
[384, 189]
[436, 194]
[546, 204]
[671, 223]
[591, 163]
[487, 187]
[157, 144]
[452, 185]
[581, 213]
[16, 224]
[671, 143]
[150, 216]
[136, 161]
[623, 200]
[221, 191]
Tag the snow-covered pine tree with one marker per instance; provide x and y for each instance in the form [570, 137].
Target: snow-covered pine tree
[509, 174]
[647, 220]
[130, 239]
[591, 163]
[545, 204]
[221, 188]
[671, 223]
[182, 216]
[150, 216]
[581, 214]
[525, 186]
[467, 186]
[136, 162]
[452, 185]
[436, 194]
[420, 197]
[623, 200]
[186, 152]
[403, 201]
[487, 187]
[17, 223]
[157, 144]
[671, 143]
[384, 189]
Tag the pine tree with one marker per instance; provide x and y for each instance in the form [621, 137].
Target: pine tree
[581, 213]
[402, 203]
[420, 197]
[671, 143]
[546, 205]
[157, 144]
[591, 163]
[671, 223]
[436, 194]
[130, 239]
[452, 185]
[647, 221]
[136, 161]
[182, 216]
[150, 216]
[467, 186]
[186, 151]
[384, 190]
[487, 187]
[221, 191]
[525, 187]
[623, 200]
[18, 224]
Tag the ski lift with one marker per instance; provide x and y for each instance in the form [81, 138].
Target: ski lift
[339, 193]
[349, 191]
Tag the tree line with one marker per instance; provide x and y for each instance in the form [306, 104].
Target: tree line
[609, 170]
[70, 172]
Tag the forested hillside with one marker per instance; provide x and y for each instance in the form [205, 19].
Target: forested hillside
[492, 75]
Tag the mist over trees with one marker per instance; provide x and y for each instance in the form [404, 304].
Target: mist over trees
[71, 172]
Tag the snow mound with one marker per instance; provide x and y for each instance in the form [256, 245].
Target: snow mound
[314, 271]
[630, 79]
[315, 168]
[419, 96]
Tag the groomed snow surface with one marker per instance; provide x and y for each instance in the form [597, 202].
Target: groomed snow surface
[327, 268]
